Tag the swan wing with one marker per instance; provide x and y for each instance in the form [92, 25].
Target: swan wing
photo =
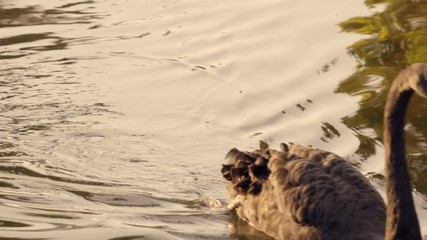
[307, 193]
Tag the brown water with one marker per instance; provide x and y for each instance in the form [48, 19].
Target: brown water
[115, 115]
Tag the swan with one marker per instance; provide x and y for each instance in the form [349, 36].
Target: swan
[300, 192]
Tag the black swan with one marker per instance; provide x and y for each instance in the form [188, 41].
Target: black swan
[306, 193]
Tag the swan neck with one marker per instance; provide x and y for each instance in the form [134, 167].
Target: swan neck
[402, 221]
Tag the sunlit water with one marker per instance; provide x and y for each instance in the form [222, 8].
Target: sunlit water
[115, 115]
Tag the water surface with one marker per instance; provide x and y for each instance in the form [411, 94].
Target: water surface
[115, 115]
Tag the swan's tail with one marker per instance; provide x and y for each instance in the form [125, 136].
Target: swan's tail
[247, 170]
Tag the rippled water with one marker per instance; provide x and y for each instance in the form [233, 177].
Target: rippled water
[115, 115]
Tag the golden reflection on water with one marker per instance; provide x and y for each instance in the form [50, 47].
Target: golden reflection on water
[115, 115]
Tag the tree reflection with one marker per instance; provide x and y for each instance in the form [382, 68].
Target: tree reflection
[33, 15]
[396, 37]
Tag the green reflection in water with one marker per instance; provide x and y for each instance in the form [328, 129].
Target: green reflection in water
[329, 131]
[396, 37]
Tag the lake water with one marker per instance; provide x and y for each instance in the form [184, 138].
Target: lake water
[115, 116]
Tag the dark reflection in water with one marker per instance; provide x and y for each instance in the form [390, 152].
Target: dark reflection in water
[19, 170]
[1, 238]
[10, 224]
[36, 16]
[243, 231]
[128, 238]
[396, 37]
[329, 132]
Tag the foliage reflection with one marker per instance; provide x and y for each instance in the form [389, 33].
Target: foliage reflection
[12, 17]
[396, 37]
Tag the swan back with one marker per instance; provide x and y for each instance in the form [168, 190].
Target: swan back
[303, 193]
